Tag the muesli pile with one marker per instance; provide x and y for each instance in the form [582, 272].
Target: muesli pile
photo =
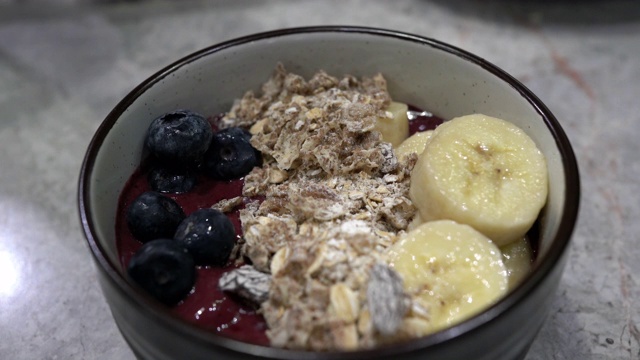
[334, 197]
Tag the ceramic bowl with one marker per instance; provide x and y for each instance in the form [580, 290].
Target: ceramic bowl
[430, 74]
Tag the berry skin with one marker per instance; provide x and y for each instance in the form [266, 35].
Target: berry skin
[153, 216]
[179, 137]
[164, 269]
[230, 155]
[171, 179]
[208, 235]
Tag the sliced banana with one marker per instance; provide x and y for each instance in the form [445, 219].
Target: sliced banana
[395, 126]
[415, 222]
[517, 259]
[413, 144]
[484, 172]
[450, 270]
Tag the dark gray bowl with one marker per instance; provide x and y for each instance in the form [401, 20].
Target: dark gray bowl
[430, 74]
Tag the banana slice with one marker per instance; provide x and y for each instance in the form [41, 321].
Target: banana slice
[517, 259]
[484, 172]
[395, 126]
[413, 144]
[449, 269]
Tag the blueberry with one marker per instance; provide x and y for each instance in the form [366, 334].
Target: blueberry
[208, 235]
[171, 179]
[164, 269]
[152, 216]
[180, 136]
[230, 154]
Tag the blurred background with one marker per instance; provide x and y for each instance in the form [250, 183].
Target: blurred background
[65, 64]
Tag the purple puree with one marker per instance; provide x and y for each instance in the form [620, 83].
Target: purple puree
[207, 307]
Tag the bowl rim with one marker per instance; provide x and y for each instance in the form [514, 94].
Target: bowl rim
[209, 339]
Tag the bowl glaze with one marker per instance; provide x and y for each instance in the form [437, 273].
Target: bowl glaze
[433, 75]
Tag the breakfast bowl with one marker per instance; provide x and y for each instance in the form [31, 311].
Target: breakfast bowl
[444, 80]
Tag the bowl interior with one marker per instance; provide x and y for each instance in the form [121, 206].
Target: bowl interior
[430, 75]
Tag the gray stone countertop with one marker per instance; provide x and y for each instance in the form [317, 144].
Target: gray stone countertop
[65, 64]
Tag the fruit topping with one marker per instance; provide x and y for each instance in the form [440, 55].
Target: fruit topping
[153, 216]
[394, 126]
[484, 172]
[230, 154]
[517, 259]
[450, 270]
[179, 137]
[164, 269]
[171, 179]
[413, 144]
[208, 235]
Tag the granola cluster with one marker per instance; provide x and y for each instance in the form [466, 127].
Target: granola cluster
[333, 196]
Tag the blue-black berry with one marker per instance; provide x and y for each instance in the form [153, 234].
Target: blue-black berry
[153, 216]
[180, 137]
[230, 155]
[171, 179]
[208, 235]
[164, 269]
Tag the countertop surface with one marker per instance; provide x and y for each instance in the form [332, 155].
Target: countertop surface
[65, 64]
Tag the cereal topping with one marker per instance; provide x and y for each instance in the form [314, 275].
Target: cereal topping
[334, 197]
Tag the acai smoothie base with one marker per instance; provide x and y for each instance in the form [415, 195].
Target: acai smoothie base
[316, 222]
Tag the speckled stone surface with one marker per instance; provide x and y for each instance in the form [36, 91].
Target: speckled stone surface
[64, 66]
